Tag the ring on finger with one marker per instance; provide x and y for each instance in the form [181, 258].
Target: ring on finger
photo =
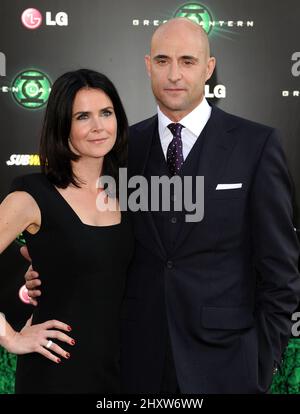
[49, 343]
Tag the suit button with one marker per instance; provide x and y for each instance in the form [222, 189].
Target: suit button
[174, 220]
[169, 264]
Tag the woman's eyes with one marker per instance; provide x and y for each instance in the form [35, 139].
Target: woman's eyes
[105, 113]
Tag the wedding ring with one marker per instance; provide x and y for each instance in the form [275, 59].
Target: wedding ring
[49, 343]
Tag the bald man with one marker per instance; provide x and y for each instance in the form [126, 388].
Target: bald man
[208, 304]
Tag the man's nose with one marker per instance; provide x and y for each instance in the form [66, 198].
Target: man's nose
[174, 72]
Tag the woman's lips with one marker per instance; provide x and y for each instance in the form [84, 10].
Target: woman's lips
[97, 141]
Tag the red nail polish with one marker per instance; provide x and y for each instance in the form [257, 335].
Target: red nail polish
[69, 328]
[68, 355]
[58, 360]
[73, 342]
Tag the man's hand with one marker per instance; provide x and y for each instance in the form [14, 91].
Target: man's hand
[32, 279]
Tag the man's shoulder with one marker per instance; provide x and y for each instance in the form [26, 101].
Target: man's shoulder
[234, 121]
[142, 125]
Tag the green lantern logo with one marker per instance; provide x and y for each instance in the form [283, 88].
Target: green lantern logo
[20, 239]
[31, 89]
[197, 13]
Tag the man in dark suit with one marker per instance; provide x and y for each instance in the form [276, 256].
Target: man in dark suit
[208, 304]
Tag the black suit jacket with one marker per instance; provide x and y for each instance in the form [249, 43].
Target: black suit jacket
[227, 289]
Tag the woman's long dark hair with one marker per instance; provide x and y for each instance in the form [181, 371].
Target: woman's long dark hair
[55, 153]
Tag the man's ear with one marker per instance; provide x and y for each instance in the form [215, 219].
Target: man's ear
[148, 65]
[211, 64]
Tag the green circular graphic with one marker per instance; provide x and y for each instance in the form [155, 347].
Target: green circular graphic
[198, 13]
[31, 89]
[20, 239]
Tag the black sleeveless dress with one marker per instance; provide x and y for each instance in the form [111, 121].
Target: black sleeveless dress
[83, 273]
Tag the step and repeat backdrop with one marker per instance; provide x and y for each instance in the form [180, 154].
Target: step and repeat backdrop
[257, 76]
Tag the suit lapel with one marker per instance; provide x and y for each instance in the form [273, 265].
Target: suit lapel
[140, 146]
[139, 151]
[216, 149]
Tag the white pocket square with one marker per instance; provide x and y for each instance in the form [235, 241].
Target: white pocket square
[229, 186]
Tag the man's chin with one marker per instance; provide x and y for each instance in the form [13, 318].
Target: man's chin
[174, 104]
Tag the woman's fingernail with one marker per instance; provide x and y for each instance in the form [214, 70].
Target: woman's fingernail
[73, 342]
[68, 355]
[58, 360]
[69, 328]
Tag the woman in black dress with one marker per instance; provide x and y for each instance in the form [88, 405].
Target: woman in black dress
[73, 242]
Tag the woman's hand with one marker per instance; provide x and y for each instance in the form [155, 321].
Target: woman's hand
[40, 338]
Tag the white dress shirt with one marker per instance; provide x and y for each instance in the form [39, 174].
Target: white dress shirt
[193, 124]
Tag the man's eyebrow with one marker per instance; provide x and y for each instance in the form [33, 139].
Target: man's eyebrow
[160, 57]
[189, 57]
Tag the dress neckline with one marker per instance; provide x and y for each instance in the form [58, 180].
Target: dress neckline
[64, 201]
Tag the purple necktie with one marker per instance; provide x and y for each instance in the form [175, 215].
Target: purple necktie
[174, 152]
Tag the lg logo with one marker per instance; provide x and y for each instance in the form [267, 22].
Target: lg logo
[219, 91]
[32, 19]
[2, 64]
[296, 66]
